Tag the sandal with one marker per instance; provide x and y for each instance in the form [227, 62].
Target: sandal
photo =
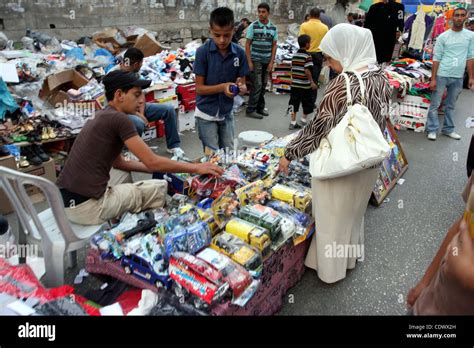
[18, 138]
[45, 135]
[23, 163]
[51, 133]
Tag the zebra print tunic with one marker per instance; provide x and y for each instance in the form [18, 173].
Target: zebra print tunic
[333, 107]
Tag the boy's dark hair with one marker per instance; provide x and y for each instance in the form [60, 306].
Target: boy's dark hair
[222, 17]
[133, 55]
[303, 40]
[306, 16]
[109, 93]
[246, 20]
[315, 13]
[264, 5]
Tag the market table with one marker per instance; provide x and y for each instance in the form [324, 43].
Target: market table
[281, 271]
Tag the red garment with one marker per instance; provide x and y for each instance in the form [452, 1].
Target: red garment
[438, 27]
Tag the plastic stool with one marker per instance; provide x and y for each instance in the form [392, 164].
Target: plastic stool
[253, 138]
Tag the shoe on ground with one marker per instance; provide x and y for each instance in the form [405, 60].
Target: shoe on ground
[263, 113]
[294, 126]
[176, 151]
[432, 136]
[38, 150]
[453, 135]
[253, 115]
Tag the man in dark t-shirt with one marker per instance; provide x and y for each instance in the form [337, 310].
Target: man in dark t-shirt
[88, 197]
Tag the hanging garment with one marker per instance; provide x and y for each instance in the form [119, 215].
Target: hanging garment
[438, 27]
[418, 31]
[429, 23]
[383, 20]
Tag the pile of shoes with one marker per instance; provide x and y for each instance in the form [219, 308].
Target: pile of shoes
[32, 130]
[32, 155]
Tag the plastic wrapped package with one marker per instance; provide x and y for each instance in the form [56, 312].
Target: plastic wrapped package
[252, 234]
[263, 216]
[239, 280]
[188, 239]
[196, 281]
[7, 103]
[299, 198]
[239, 251]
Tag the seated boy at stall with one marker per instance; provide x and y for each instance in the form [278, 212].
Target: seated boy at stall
[92, 194]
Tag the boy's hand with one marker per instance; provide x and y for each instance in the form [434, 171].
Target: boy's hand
[209, 168]
[250, 65]
[270, 67]
[144, 119]
[227, 89]
[314, 86]
[242, 88]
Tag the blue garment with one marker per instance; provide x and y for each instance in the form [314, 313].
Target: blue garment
[7, 103]
[217, 69]
[452, 49]
[262, 36]
[454, 88]
[155, 112]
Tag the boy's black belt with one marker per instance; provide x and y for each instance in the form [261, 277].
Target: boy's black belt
[71, 199]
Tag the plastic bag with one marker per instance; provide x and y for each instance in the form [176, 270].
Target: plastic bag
[7, 103]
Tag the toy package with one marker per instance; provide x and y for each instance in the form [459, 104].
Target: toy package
[239, 251]
[252, 193]
[304, 223]
[188, 239]
[237, 277]
[254, 235]
[299, 199]
[224, 207]
[196, 280]
[265, 217]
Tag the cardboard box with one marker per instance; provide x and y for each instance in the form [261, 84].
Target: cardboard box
[186, 120]
[187, 104]
[96, 104]
[160, 129]
[417, 124]
[150, 132]
[173, 101]
[55, 86]
[187, 91]
[159, 91]
[148, 45]
[46, 170]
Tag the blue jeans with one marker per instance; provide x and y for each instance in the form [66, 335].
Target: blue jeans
[155, 112]
[454, 87]
[216, 134]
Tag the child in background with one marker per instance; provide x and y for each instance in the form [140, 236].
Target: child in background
[302, 84]
[220, 67]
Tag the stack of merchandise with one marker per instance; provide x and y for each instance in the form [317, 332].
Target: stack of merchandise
[281, 75]
[404, 73]
[210, 243]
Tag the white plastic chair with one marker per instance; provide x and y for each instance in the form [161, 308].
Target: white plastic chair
[49, 229]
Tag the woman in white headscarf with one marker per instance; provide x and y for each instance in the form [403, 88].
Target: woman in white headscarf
[339, 204]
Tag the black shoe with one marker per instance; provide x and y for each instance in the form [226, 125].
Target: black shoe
[31, 156]
[38, 150]
[263, 113]
[294, 126]
[253, 115]
[4, 152]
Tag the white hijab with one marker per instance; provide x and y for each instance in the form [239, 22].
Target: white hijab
[351, 45]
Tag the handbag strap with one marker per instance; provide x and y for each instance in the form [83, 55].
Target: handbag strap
[348, 87]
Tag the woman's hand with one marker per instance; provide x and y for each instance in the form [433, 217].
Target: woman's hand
[283, 166]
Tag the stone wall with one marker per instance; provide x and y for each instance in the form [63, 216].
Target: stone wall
[173, 20]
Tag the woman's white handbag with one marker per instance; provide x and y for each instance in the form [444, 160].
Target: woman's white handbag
[356, 143]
